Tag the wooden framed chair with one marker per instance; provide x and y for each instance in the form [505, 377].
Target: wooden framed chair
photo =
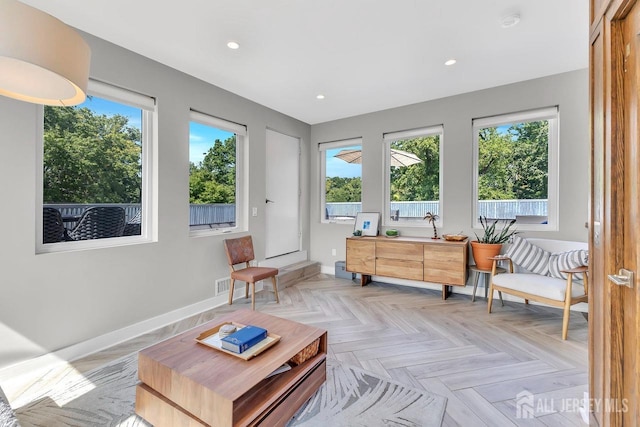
[547, 290]
[240, 251]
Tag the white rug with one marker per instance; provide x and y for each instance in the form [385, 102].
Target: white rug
[350, 397]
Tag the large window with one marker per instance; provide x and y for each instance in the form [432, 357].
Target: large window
[341, 180]
[96, 164]
[515, 168]
[215, 193]
[413, 179]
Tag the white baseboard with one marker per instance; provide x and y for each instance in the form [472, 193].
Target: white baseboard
[325, 269]
[81, 349]
[466, 290]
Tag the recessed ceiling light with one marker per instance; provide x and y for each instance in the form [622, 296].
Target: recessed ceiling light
[320, 96]
[233, 45]
[450, 62]
[510, 20]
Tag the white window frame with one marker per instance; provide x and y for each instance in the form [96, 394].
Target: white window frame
[390, 137]
[551, 114]
[242, 181]
[149, 231]
[322, 147]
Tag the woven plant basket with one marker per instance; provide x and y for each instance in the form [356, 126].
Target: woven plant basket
[306, 353]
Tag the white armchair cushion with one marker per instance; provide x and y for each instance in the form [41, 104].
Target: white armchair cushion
[544, 286]
[528, 256]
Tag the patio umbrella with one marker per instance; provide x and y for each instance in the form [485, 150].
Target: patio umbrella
[399, 158]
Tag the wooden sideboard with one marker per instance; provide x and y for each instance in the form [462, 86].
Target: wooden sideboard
[412, 258]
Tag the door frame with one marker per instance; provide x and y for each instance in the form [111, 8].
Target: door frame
[608, 218]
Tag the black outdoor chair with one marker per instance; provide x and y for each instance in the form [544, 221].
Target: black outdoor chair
[52, 226]
[134, 226]
[99, 222]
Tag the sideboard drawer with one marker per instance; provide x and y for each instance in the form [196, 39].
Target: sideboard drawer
[398, 250]
[402, 269]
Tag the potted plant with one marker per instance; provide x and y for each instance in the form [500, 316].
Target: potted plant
[490, 243]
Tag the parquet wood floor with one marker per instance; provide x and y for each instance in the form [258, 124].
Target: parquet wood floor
[480, 362]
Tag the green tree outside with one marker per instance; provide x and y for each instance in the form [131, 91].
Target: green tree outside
[420, 181]
[340, 189]
[90, 158]
[93, 158]
[214, 179]
[514, 164]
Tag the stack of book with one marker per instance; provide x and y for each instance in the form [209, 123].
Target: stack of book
[243, 339]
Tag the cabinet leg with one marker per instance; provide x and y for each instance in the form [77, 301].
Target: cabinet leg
[365, 279]
[446, 291]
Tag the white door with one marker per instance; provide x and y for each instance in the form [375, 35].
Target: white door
[282, 206]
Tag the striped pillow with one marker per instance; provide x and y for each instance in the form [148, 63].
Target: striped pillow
[567, 260]
[529, 256]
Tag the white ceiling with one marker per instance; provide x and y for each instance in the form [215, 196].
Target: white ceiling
[363, 55]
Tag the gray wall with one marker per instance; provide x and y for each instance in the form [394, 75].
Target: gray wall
[569, 91]
[51, 301]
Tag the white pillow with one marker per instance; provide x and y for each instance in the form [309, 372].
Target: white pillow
[529, 256]
[566, 261]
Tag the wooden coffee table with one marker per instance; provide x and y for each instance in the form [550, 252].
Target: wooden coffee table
[189, 384]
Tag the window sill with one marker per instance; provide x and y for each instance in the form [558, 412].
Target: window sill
[520, 227]
[84, 245]
[207, 232]
[349, 221]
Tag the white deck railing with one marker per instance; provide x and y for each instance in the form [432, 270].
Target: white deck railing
[209, 214]
[219, 213]
[503, 209]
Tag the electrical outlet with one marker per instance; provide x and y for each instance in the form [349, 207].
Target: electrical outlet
[254, 211]
[334, 252]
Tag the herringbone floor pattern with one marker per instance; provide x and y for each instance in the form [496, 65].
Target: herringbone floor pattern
[480, 362]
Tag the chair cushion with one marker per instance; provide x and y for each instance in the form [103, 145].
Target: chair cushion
[254, 274]
[567, 260]
[529, 256]
[544, 286]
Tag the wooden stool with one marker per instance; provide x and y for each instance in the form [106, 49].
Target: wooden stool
[478, 272]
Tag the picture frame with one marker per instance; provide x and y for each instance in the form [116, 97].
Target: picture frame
[368, 222]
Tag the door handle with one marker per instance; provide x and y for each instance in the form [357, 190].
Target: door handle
[623, 278]
[269, 201]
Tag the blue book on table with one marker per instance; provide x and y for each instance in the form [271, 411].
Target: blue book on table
[244, 338]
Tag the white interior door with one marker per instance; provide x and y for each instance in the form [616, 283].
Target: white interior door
[282, 206]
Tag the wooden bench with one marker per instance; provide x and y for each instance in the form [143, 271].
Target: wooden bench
[544, 289]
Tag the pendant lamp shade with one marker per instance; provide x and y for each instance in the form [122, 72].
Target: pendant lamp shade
[42, 60]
